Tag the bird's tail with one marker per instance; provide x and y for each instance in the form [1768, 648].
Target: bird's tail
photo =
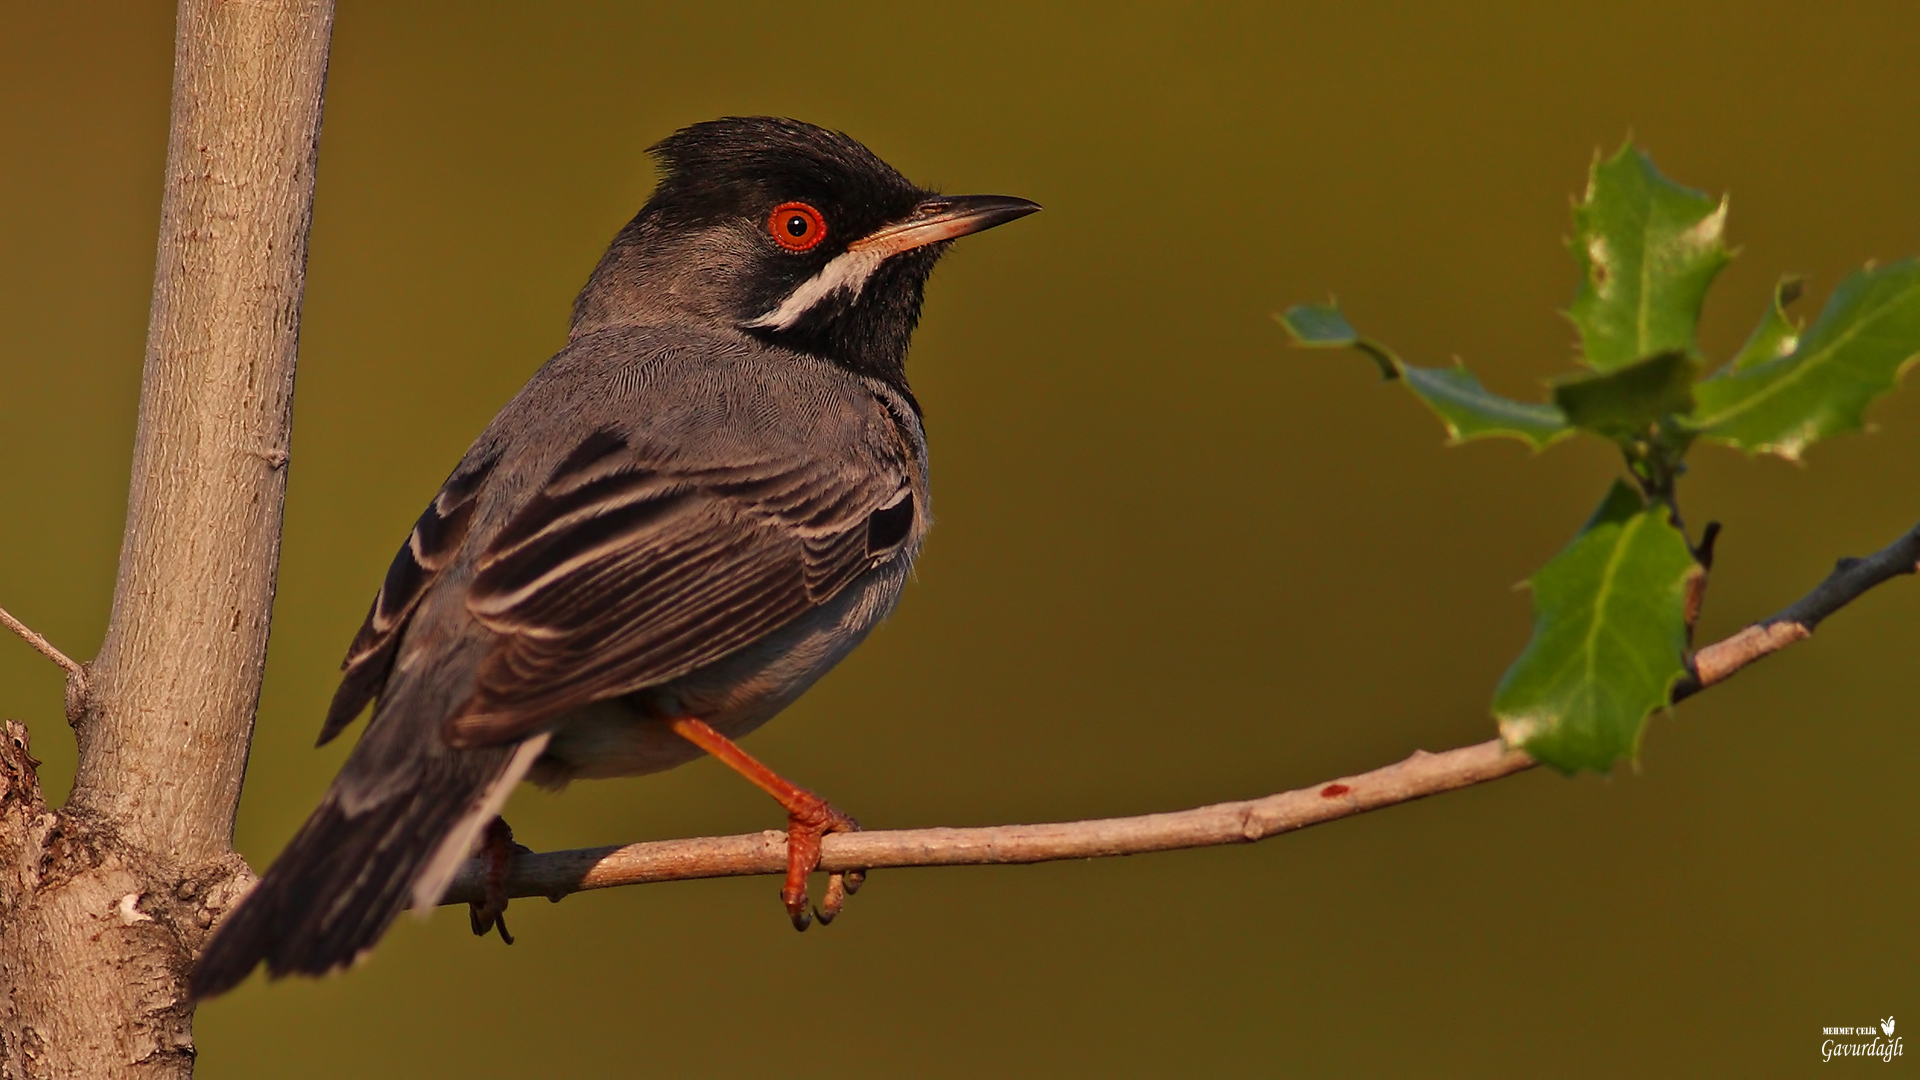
[362, 858]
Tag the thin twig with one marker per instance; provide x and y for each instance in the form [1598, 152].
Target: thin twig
[1697, 580]
[1850, 578]
[557, 873]
[76, 695]
[44, 646]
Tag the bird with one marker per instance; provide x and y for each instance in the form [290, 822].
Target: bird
[704, 501]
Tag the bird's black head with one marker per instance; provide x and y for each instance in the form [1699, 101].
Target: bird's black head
[795, 234]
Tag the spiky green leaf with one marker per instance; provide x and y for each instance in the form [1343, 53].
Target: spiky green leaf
[1777, 334]
[1609, 634]
[1624, 404]
[1855, 351]
[1648, 248]
[1468, 409]
[1324, 326]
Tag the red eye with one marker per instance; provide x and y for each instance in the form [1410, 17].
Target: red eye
[797, 226]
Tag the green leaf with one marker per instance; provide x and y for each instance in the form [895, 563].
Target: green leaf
[1467, 409]
[1626, 403]
[1609, 632]
[1322, 326]
[1855, 351]
[1778, 333]
[1648, 248]
[1470, 411]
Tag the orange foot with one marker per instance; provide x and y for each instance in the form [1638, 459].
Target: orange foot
[809, 817]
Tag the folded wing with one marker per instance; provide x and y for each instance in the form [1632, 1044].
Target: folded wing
[432, 544]
[626, 572]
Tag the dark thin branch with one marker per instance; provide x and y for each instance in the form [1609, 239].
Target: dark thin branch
[1697, 581]
[1850, 578]
[558, 873]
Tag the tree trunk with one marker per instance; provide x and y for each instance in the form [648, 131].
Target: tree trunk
[104, 903]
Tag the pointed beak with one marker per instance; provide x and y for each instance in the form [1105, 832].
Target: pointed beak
[944, 217]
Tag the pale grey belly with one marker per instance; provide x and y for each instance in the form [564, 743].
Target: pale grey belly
[626, 737]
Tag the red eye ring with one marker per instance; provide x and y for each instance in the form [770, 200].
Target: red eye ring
[796, 226]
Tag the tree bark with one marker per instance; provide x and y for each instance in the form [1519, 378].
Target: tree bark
[104, 903]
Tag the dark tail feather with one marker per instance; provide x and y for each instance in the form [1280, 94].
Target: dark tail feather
[347, 875]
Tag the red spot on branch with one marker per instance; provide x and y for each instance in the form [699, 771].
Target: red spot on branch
[1334, 791]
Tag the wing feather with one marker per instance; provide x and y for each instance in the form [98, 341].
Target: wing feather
[430, 546]
[626, 572]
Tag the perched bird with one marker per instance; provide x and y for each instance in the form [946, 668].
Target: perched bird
[702, 503]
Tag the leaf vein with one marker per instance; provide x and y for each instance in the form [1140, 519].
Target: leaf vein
[1798, 370]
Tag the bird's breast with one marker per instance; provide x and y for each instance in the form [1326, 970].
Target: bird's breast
[626, 736]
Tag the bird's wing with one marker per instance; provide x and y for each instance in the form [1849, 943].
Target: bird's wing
[435, 540]
[626, 571]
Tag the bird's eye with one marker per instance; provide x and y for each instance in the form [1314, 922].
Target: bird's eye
[797, 226]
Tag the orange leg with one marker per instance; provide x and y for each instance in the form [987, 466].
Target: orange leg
[809, 817]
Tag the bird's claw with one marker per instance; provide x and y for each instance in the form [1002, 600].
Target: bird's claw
[490, 913]
[484, 920]
[840, 885]
[807, 823]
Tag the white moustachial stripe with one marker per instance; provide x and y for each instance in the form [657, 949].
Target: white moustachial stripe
[849, 270]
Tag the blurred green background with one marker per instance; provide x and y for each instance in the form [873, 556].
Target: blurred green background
[1176, 561]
